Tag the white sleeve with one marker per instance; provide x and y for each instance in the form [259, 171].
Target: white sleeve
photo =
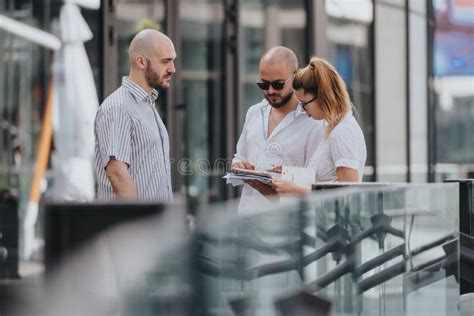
[344, 151]
[242, 152]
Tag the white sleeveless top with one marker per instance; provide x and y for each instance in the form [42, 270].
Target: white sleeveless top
[344, 147]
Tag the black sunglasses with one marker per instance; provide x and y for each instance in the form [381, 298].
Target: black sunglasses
[305, 104]
[277, 85]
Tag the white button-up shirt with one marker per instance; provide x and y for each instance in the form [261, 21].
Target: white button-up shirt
[292, 142]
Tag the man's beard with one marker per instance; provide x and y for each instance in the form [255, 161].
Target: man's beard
[283, 102]
[152, 78]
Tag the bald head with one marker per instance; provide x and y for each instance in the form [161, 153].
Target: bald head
[280, 56]
[152, 58]
[146, 43]
[276, 71]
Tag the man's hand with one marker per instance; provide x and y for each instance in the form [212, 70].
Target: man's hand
[276, 169]
[264, 189]
[243, 165]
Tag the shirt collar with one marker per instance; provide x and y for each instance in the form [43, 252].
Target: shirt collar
[296, 112]
[299, 110]
[138, 92]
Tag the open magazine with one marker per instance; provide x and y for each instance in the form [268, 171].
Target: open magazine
[299, 175]
[244, 174]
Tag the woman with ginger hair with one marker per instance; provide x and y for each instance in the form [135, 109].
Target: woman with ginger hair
[342, 153]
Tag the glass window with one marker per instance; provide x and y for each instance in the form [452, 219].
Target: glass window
[202, 86]
[453, 70]
[350, 51]
[24, 79]
[21, 100]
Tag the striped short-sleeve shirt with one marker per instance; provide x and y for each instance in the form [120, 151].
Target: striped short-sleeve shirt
[128, 128]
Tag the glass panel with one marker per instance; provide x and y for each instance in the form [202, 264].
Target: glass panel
[350, 51]
[453, 68]
[23, 85]
[386, 250]
[366, 249]
[264, 24]
[203, 121]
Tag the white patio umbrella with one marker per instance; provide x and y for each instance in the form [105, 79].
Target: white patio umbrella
[74, 108]
[29, 33]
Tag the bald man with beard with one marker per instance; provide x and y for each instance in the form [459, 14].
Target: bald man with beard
[276, 131]
[131, 142]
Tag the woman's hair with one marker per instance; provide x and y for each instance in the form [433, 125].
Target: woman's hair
[323, 81]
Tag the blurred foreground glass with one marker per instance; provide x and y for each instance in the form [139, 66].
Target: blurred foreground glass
[378, 251]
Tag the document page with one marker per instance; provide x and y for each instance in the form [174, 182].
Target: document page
[304, 177]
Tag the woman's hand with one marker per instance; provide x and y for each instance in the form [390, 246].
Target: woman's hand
[288, 187]
[276, 169]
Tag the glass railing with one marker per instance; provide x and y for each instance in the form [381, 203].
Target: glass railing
[365, 251]
[370, 250]
[466, 229]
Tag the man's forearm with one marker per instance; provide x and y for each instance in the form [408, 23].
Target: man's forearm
[124, 187]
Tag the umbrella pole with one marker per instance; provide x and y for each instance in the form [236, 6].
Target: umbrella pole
[41, 163]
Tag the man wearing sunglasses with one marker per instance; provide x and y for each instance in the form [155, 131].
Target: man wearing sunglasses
[276, 130]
